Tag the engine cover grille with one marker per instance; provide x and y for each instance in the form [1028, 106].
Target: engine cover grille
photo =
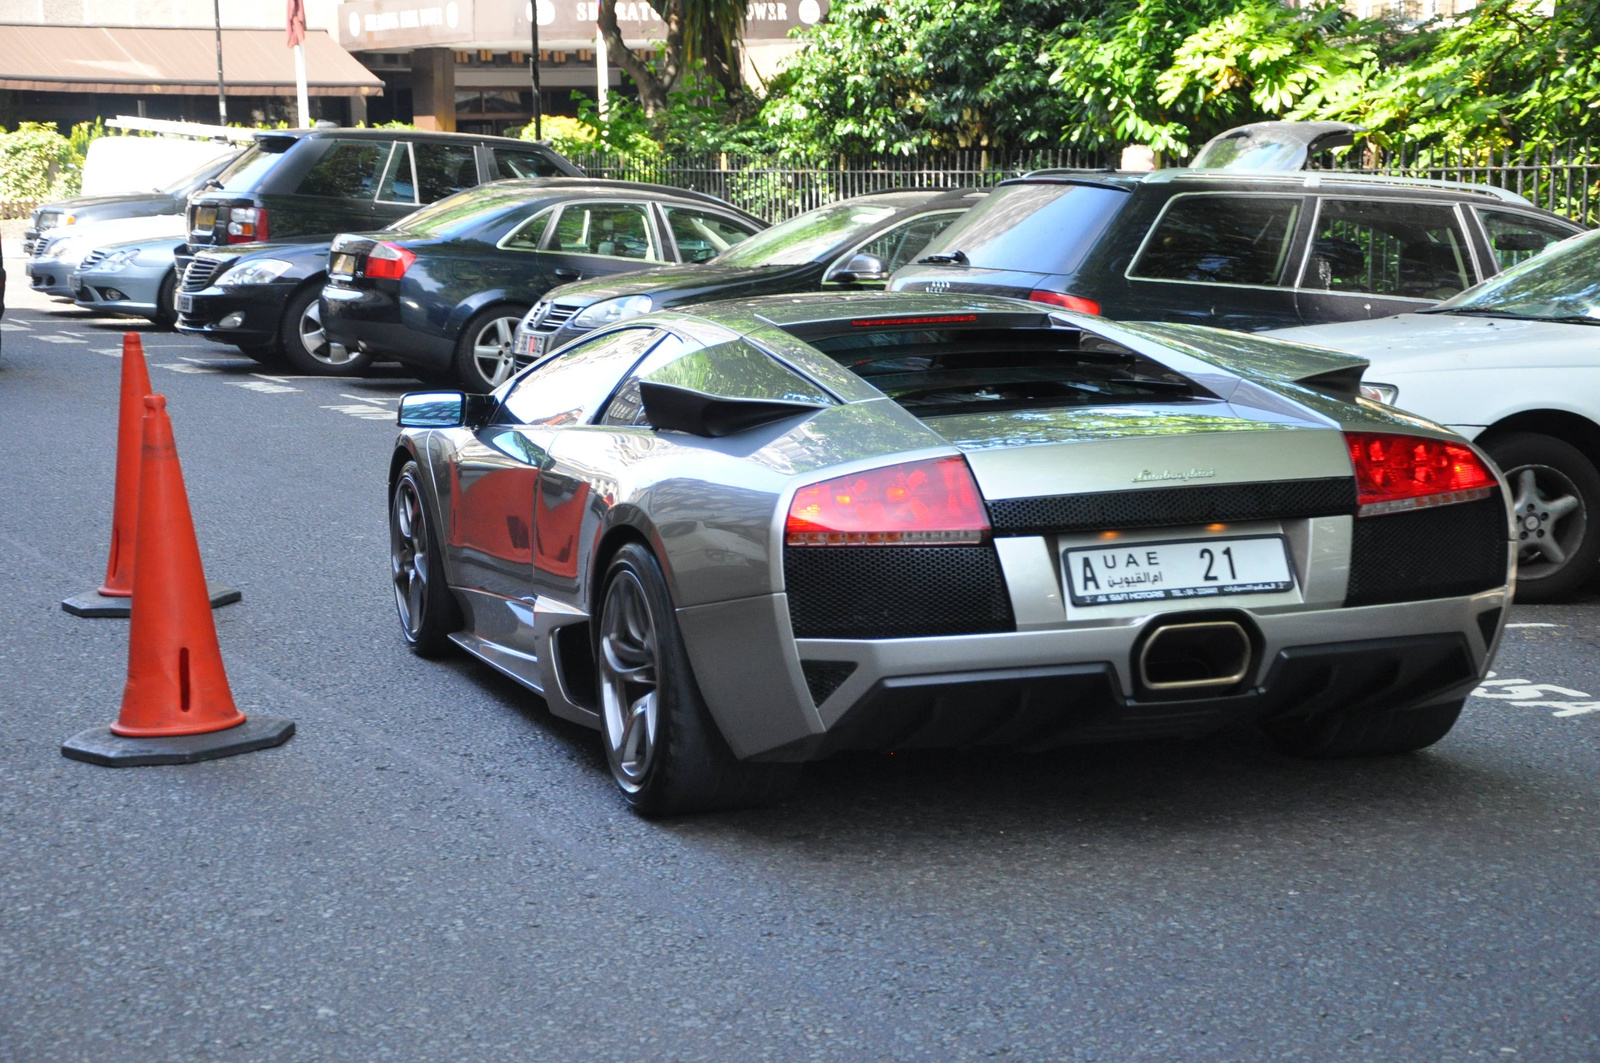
[1163, 506]
[888, 592]
[1428, 553]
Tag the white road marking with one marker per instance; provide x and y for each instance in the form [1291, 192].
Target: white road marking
[261, 385]
[109, 352]
[365, 413]
[14, 326]
[58, 337]
[1536, 625]
[1536, 695]
[365, 398]
[184, 367]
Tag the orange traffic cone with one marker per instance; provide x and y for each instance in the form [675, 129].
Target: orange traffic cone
[111, 597]
[176, 707]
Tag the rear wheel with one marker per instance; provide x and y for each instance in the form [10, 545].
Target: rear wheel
[267, 354]
[484, 356]
[1364, 732]
[1555, 501]
[305, 343]
[429, 613]
[665, 752]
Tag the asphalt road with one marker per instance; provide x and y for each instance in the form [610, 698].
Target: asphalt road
[434, 868]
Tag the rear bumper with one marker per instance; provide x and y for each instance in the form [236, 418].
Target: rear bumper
[373, 321]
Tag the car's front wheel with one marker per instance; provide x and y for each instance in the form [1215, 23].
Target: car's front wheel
[305, 342]
[429, 613]
[665, 752]
[1555, 502]
[484, 357]
[166, 314]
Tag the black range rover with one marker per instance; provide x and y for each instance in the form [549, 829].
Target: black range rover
[1238, 250]
[289, 194]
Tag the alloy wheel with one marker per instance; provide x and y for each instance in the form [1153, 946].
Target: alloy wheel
[1550, 517]
[492, 349]
[408, 555]
[630, 666]
[315, 340]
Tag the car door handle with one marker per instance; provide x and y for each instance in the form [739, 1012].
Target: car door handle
[568, 274]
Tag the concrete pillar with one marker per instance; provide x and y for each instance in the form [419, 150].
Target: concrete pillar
[358, 110]
[433, 89]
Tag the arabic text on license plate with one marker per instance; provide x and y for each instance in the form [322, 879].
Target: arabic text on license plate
[344, 265]
[522, 343]
[185, 303]
[1197, 568]
[540, 345]
[205, 218]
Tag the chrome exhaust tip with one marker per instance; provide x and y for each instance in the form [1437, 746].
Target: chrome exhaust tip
[1195, 655]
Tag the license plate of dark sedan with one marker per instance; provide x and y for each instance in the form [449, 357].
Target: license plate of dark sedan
[344, 265]
[1196, 568]
[205, 218]
[185, 303]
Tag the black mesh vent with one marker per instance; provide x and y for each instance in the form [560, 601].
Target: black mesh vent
[1163, 506]
[1428, 553]
[886, 592]
[824, 677]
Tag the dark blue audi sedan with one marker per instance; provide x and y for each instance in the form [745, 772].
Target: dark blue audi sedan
[442, 290]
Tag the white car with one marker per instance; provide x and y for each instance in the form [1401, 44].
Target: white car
[1513, 364]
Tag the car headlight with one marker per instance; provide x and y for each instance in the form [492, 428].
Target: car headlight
[610, 311]
[115, 261]
[255, 271]
[1384, 393]
[62, 249]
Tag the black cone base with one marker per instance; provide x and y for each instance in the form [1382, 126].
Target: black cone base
[95, 604]
[99, 746]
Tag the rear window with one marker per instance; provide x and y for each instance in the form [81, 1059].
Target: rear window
[348, 169]
[462, 212]
[1220, 239]
[943, 371]
[242, 174]
[1041, 228]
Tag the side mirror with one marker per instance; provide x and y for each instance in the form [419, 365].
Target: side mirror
[444, 409]
[669, 408]
[862, 268]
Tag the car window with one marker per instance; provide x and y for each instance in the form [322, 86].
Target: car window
[1220, 240]
[242, 173]
[528, 235]
[508, 162]
[809, 236]
[1518, 237]
[736, 369]
[904, 242]
[615, 230]
[348, 169]
[1040, 227]
[701, 235]
[1563, 284]
[444, 169]
[626, 408]
[399, 184]
[1388, 247]
[569, 386]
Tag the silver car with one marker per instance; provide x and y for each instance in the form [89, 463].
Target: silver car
[750, 534]
[135, 278]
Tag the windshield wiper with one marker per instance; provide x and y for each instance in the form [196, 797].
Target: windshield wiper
[949, 258]
[1469, 311]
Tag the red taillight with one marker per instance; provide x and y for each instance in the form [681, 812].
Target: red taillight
[921, 503]
[1395, 472]
[247, 225]
[388, 262]
[926, 319]
[1066, 302]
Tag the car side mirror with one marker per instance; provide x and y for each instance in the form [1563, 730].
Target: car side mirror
[669, 408]
[862, 267]
[444, 409]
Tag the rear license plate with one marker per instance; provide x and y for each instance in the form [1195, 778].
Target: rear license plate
[205, 218]
[1195, 568]
[344, 265]
[185, 303]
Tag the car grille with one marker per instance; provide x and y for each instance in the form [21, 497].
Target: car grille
[91, 260]
[887, 592]
[557, 315]
[199, 274]
[1170, 506]
[1443, 552]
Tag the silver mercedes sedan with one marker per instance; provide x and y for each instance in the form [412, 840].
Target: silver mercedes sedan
[750, 534]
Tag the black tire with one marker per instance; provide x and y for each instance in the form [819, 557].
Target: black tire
[1364, 732]
[469, 364]
[429, 612]
[682, 763]
[166, 314]
[1542, 473]
[305, 346]
[268, 355]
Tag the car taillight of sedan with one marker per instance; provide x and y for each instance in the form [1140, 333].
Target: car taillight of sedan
[388, 262]
[1395, 473]
[934, 502]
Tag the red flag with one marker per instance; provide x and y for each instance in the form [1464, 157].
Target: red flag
[296, 21]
